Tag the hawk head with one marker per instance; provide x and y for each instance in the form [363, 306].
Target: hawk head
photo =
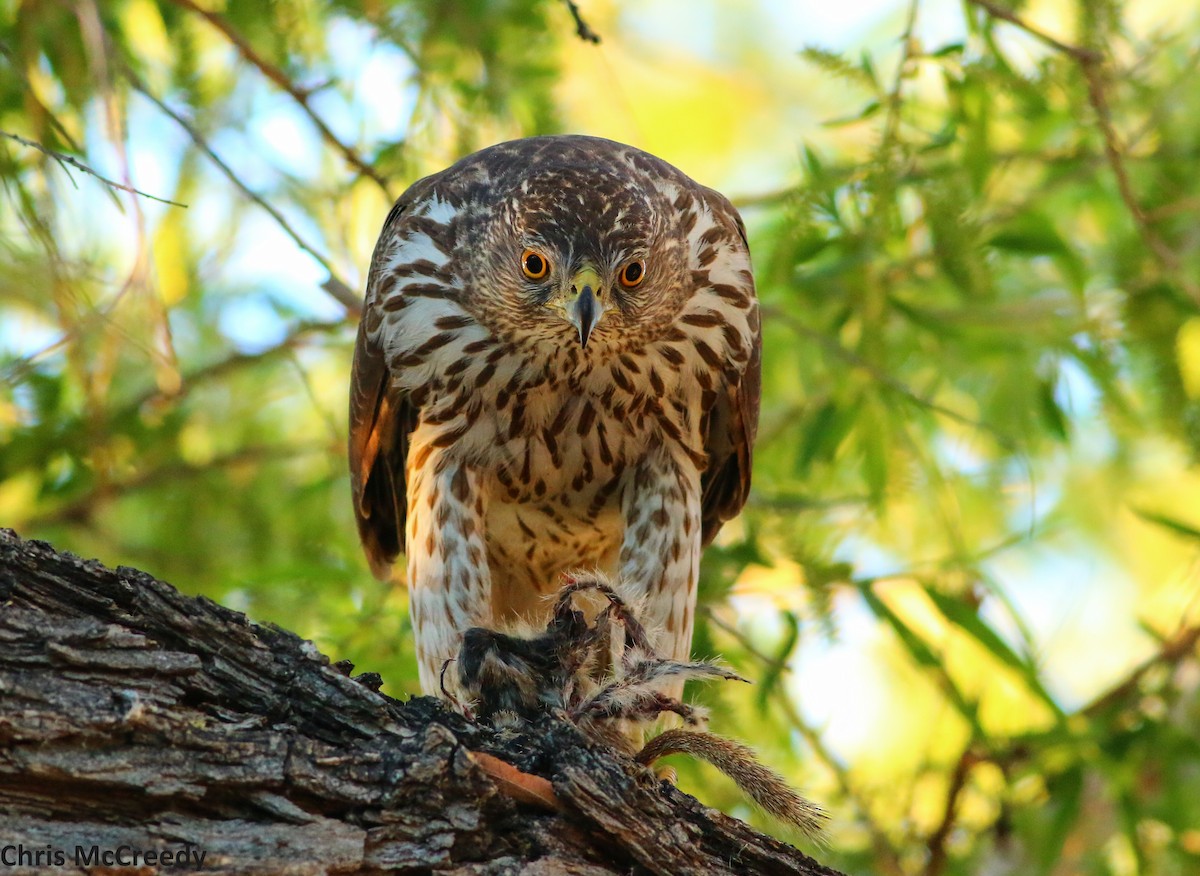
[584, 252]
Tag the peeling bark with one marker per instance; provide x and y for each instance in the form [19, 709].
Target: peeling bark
[132, 716]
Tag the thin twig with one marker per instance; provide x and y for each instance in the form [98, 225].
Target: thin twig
[582, 29]
[101, 55]
[936, 861]
[334, 286]
[1079, 53]
[1116, 160]
[228, 365]
[322, 411]
[83, 508]
[1174, 651]
[895, 98]
[63, 158]
[772, 664]
[1189, 205]
[299, 95]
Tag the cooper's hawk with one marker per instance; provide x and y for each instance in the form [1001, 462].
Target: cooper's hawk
[557, 368]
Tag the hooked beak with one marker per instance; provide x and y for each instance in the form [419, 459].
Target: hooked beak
[581, 305]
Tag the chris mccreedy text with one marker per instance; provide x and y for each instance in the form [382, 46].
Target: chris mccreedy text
[21, 855]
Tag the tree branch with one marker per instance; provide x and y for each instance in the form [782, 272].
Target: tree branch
[300, 96]
[133, 715]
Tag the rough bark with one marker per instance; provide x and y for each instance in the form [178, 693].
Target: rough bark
[134, 716]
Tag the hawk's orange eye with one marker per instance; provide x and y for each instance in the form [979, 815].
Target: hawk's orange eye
[534, 264]
[632, 274]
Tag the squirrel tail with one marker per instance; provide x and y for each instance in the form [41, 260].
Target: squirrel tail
[763, 785]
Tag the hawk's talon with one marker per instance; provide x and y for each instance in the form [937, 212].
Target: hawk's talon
[464, 709]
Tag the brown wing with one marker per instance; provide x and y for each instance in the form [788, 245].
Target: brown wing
[381, 420]
[732, 425]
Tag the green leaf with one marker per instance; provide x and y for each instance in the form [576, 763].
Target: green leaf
[1032, 233]
[922, 654]
[1052, 415]
[866, 112]
[948, 50]
[956, 240]
[769, 680]
[914, 644]
[1169, 523]
[966, 618]
[875, 464]
[823, 432]
[812, 161]
[1066, 797]
[808, 247]
[836, 65]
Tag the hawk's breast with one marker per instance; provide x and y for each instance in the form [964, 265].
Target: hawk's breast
[554, 456]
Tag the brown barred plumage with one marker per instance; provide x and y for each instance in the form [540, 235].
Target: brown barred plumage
[507, 427]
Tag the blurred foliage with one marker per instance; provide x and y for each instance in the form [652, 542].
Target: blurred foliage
[981, 415]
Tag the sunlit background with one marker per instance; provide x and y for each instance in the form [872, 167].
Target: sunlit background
[967, 581]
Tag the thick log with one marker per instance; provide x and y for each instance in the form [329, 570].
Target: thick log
[136, 721]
